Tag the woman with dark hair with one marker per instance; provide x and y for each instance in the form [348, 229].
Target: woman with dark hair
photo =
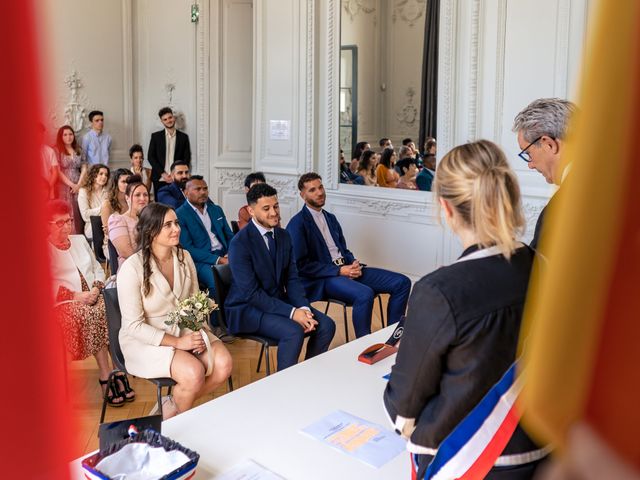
[361, 147]
[122, 228]
[136, 154]
[92, 195]
[386, 176]
[151, 283]
[409, 169]
[77, 287]
[463, 321]
[367, 167]
[115, 202]
[72, 170]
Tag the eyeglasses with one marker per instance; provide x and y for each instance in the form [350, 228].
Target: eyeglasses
[524, 155]
[62, 223]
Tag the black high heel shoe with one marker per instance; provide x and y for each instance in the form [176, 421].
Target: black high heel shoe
[124, 388]
[111, 394]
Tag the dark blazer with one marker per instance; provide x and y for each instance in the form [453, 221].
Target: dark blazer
[157, 151]
[460, 336]
[257, 286]
[312, 255]
[171, 195]
[194, 237]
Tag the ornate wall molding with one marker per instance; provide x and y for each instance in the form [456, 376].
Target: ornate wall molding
[472, 126]
[332, 49]
[446, 75]
[408, 114]
[285, 185]
[202, 87]
[354, 7]
[74, 111]
[310, 84]
[409, 11]
[231, 179]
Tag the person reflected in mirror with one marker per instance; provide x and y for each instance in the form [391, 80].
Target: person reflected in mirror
[346, 175]
[367, 167]
[384, 143]
[408, 142]
[328, 268]
[424, 179]
[408, 170]
[356, 154]
[386, 176]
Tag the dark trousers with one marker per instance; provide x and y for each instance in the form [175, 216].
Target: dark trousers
[361, 292]
[205, 278]
[290, 336]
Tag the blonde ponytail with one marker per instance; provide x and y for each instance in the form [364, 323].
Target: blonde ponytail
[477, 181]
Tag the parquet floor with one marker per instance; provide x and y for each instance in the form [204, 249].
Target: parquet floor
[85, 395]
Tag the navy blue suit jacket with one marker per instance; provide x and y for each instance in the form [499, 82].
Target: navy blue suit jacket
[171, 195]
[312, 254]
[257, 286]
[194, 237]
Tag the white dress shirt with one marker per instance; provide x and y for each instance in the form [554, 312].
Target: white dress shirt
[321, 223]
[263, 233]
[206, 221]
[170, 137]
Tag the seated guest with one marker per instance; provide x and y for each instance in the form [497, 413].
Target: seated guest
[405, 152]
[384, 144]
[408, 170]
[407, 142]
[92, 195]
[136, 154]
[386, 176]
[205, 233]
[266, 296]
[173, 193]
[367, 168]
[77, 286]
[346, 175]
[424, 179]
[150, 284]
[122, 228]
[115, 202]
[463, 323]
[243, 214]
[327, 267]
[361, 147]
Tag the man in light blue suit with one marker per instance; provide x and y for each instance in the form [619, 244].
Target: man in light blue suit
[205, 232]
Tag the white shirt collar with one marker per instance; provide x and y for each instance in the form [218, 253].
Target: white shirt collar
[196, 208]
[314, 212]
[260, 228]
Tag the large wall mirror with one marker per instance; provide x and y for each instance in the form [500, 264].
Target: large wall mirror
[388, 89]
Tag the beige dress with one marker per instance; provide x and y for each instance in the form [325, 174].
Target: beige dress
[120, 226]
[143, 316]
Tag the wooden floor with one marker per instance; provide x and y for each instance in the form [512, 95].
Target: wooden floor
[85, 394]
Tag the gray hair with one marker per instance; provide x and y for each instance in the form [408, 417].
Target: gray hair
[405, 151]
[545, 116]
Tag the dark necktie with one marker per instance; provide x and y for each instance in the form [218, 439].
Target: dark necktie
[271, 242]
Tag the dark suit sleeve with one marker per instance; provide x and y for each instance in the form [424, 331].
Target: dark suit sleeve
[187, 150]
[152, 155]
[306, 266]
[244, 276]
[429, 331]
[164, 196]
[199, 255]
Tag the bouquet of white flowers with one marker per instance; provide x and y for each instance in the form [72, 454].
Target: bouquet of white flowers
[192, 312]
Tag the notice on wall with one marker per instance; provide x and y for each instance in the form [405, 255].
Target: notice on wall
[279, 129]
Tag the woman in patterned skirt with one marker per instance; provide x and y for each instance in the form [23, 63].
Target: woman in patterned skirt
[77, 287]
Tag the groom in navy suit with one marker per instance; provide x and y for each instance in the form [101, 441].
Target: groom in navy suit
[205, 232]
[266, 296]
[328, 268]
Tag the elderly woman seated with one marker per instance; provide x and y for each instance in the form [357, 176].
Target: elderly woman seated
[77, 280]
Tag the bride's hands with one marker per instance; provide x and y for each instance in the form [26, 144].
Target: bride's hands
[192, 342]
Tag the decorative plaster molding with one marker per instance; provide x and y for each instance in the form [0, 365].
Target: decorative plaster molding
[202, 86]
[74, 112]
[408, 114]
[332, 51]
[310, 85]
[498, 109]
[285, 185]
[231, 179]
[472, 133]
[354, 7]
[386, 207]
[409, 11]
[531, 213]
[446, 84]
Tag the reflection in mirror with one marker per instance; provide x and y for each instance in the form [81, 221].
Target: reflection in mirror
[388, 88]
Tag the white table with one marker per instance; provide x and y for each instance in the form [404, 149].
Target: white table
[262, 421]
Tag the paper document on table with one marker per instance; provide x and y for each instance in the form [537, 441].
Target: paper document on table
[368, 442]
[248, 470]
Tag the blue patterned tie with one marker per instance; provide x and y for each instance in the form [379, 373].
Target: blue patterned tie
[271, 242]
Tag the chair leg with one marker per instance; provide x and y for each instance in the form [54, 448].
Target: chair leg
[159, 394]
[326, 308]
[104, 404]
[381, 312]
[230, 383]
[260, 358]
[346, 325]
[267, 359]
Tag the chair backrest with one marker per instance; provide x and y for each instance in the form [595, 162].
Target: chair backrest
[98, 237]
[235, 226]
[114, 322]
[113, 257]
[222, 281]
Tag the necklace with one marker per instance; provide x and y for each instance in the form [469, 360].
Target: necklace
[63, 245]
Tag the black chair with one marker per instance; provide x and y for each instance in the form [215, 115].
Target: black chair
[98, 237]
[113, 258]
[222, 280]
[114, 321]
[344, 310]
[235, 226]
